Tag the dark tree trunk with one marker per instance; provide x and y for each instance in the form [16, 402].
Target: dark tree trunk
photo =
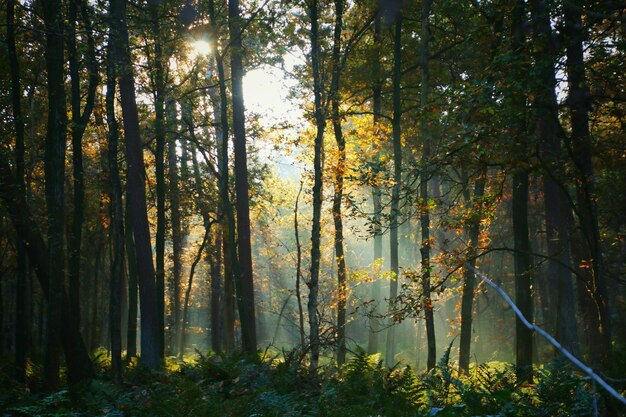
[555, 196]
[522, 254]
[426, 174]
[245, 283]
[78, 126]
[159, 162]
[581, 152]
[467, 300]
[316, 229]
[55, 175]
[151, 348]
[298, 267]
[395, 192]
[22, 326]
[131, 260]
[117, 227]
[340, 258]
[231, 264]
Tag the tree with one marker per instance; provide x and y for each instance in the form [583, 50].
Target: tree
[245, 283]
[151, 351]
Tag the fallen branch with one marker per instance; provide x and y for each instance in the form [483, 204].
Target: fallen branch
[586, 369]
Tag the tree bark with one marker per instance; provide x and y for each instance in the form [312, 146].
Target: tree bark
[395, 192]
[151, 348]
[581, 152]
[131, 261]
[117, 227]
[522, 254]
[375, 325]
[426, 174]
[245, 284]
[340, 258]
[80, 118]
[54, 176]
[555, 196]
[22, 326]
[320, 124]
[467, 299]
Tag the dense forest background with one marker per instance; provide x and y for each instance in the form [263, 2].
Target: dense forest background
[320, 178]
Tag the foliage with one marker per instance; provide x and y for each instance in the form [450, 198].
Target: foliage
[283, 386]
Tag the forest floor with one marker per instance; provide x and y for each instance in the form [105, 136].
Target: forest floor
[283, 386]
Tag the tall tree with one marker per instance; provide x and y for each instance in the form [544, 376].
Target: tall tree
[424, 180]
[55, 177]
[245, 283]
[340, 257]
[597, 326]
[21, 325]
[151, 351]
[117, 225]
[79, 120]
[316, 228]
[397, 178]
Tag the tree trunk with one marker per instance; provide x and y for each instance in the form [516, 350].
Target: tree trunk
[395, 192]
[177, 234]
[117, 227]
[320, 122]
[555, 197]
[426, 173]
[340, 258]
[245, 284]
[467, 299]
[375, 325]
[151, 348]
[522, 254]
[298, 266]
[131, 260]
[55, 175]
[231, 264]
[581, 152]
[22, 326]
[78, 126]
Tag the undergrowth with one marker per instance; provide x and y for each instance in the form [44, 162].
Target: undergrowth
[216, 385]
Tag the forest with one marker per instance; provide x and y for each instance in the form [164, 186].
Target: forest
[313, 208]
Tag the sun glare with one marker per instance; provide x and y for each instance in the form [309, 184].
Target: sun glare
[200, 48]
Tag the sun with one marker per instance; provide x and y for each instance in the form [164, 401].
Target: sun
[200, 48]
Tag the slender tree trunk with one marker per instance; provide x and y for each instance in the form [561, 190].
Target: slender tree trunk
[245, 284]
[177, 234]
[78, 126]
[522, 254]
[151, 348]
[467, 299]
[372, 344]
[395, 192]
[298, 266]
[426, 173]
[117, 227]
[184, 324]
[131, 260]
[340, 258]
[54, 175]
[22, 326]
[581, 152]
[316, 229]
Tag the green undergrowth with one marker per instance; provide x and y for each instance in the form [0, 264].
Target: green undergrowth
[283, 386]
